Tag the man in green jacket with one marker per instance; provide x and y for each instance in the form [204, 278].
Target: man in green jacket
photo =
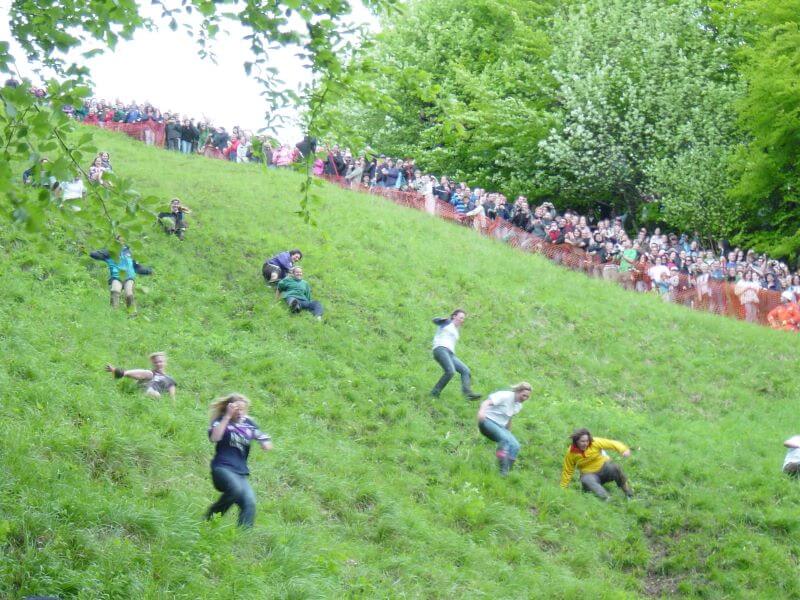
[297, 293]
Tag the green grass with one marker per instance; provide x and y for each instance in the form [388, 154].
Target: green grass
[374, 490]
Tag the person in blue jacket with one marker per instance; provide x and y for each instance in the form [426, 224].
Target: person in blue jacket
[280, 265]
[232, 431]
[125, 263]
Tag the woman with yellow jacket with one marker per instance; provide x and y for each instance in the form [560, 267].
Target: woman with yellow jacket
[596, 468]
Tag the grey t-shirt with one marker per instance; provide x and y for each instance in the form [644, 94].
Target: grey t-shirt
[159, 383]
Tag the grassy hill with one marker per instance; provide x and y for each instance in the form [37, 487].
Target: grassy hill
[374, 490]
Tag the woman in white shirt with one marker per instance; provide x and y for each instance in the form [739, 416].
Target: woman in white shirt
[444, 352]
[494, 421]
[747, 290]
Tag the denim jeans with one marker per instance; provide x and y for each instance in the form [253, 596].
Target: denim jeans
[450, 364]
[506, 442]
[186, 147]
[173, 144]
[310, 305]
[593, 482]
[235, 489]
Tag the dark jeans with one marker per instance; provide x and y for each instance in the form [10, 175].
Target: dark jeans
[593, 482]
[235, 489]
[450, 364]
[174, 144]
[507, 444]
[309, 305]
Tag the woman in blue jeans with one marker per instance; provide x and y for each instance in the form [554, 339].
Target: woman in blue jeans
[494, 421]
[444, 352]
[233, 431]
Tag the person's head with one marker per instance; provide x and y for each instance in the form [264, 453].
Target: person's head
[522, 391]
[174, 204]
[458, 316]
[295, 255]
[159, 361]
[98, 162]
[581, 439]
[241, 406]
[297, 272]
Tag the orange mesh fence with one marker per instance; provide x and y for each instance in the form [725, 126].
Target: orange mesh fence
[717, 297]
[150, 132]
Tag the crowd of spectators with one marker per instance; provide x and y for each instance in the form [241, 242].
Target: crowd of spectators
[678, 267]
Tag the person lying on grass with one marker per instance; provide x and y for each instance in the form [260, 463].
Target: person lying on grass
[791, 464]
[596, 468]
[297, 294]
[444, 353]
[233, 431]
[280, 265]
[155, 382]
[494, 421]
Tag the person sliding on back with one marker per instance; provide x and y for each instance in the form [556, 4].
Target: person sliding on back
[155, 382]
[297, 294]
[125, 263]
[444, 353]
[596, 468]
[280, 265]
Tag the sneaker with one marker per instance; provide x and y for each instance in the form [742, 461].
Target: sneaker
[435, 394]
[473, 396]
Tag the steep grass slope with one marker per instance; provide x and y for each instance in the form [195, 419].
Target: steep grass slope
[374, 490]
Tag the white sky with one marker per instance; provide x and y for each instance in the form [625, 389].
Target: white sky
[163, 68]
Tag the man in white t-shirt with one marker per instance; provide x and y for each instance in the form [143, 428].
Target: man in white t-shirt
[791, 464]
[73, 190]
[494, 421]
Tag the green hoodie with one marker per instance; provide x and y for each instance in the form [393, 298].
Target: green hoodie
[289, 287]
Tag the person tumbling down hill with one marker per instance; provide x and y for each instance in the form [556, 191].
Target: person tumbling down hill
[125, 263]
[494, 421]
[233, 431]
[155, 382]
[297, 294]
[174, 221]
[444, 353]
[280, 265]
[596, 468]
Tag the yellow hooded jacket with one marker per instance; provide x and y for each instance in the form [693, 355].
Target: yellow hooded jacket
[590, 461]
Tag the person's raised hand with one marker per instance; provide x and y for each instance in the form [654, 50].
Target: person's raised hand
[626, 454]
[110, 368]
[231, 410]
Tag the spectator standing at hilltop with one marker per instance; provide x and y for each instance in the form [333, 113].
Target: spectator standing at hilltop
[173, 135]
[189, 136]
[444, 353]
[233, 431]
[494, 421]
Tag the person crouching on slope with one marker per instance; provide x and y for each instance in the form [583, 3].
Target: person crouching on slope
[297, 293]
[595, 467]
[444, 353]
[233, 431]
[125, 263]
[280, 265]
[174, 221]
[494, 421]
[155, 381]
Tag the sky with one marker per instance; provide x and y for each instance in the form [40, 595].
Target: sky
[163, 68]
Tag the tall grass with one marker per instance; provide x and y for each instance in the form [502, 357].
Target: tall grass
[374, 490]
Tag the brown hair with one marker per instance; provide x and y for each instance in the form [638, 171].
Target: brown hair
[579, 433]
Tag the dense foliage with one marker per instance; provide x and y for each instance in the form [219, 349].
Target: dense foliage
[677, 112]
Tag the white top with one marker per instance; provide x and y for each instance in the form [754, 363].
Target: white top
[793, 455]
[502, 406]
[656, 271]
[72, 190]
[446, 337]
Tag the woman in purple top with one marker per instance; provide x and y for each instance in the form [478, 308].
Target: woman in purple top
[280, 265]
[233, 431]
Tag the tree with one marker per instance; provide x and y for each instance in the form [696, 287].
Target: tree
[50, 33]
[643, 91]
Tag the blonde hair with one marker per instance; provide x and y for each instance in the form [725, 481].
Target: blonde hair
[217, 408]
[521, 386]
[157, 354]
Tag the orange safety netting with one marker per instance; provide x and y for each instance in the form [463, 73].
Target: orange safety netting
[712, 296]
[149, 132]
